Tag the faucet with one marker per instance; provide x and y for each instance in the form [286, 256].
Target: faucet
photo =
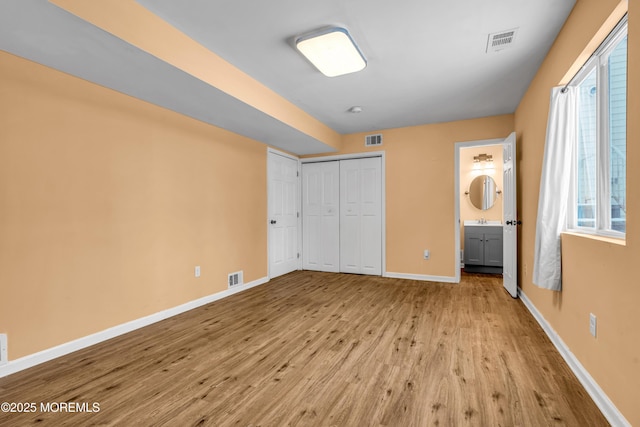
[482, 221]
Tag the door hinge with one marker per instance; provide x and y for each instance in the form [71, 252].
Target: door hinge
[298, 255]
[297, 173]
[298, 214]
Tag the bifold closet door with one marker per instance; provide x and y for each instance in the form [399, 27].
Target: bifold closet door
[361, 216]
[321, 216]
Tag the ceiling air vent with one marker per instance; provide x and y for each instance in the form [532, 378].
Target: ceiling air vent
[373, 140]
[501, 40]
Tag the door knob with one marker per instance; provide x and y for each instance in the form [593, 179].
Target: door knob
[273, 221]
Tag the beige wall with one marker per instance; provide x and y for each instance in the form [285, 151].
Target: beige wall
[147, 31]
[420, 189]
[598, 276]
[107, 204]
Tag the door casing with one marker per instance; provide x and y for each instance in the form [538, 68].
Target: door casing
[457, 223]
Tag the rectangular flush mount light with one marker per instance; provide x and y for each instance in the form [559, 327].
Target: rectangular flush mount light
[332, 51]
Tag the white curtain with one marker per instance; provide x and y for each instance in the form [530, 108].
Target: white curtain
[554, 188]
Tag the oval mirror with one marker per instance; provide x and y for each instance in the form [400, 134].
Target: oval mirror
[482, 192]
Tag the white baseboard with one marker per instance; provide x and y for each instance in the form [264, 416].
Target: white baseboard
[603, 402]
[31, 360]
[421, 277]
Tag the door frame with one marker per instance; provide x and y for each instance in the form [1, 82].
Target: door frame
[456, 192]
[270, 152]
[383, 189]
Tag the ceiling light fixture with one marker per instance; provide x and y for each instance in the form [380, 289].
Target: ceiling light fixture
[355, 109]
[332, 51]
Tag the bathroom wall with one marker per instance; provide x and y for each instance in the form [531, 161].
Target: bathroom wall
[470, 170]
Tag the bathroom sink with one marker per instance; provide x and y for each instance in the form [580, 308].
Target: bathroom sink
[486, 223]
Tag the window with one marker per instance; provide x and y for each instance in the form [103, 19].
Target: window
[599, 179]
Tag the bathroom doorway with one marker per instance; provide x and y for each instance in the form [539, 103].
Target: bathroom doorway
[485, 209]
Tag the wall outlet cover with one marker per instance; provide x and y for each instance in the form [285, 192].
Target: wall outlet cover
[3, 349]
[593, 323]
[197, 271]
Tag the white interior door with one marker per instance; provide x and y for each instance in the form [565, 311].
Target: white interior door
[283, 214]
[361, 216]
[320, 216]
[510, 228]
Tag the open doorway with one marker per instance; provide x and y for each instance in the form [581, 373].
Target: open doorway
[485, 216]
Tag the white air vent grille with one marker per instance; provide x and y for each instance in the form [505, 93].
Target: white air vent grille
[373, 140]
[501, 40]
[235, 279]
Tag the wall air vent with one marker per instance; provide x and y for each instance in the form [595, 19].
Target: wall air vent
[373, 140]
[235, 279]
[501, 40]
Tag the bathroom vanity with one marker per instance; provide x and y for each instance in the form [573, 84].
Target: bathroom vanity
[483, 247]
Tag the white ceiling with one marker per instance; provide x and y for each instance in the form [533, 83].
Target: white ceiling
[426, 59]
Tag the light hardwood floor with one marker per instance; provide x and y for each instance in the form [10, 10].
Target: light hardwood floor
[322, 349]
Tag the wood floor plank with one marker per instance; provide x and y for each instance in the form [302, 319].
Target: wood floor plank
[322, 349]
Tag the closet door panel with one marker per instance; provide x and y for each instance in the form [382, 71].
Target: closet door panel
[360, 216]
[320, 216]
[350, 237]
[371, 217]
[331, 217]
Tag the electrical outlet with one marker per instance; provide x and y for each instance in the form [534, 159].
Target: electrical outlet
[426, 254]
[197, 271]
[592, 324]
[3, 349]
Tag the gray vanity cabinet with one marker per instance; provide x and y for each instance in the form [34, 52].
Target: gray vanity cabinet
[483, 248]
